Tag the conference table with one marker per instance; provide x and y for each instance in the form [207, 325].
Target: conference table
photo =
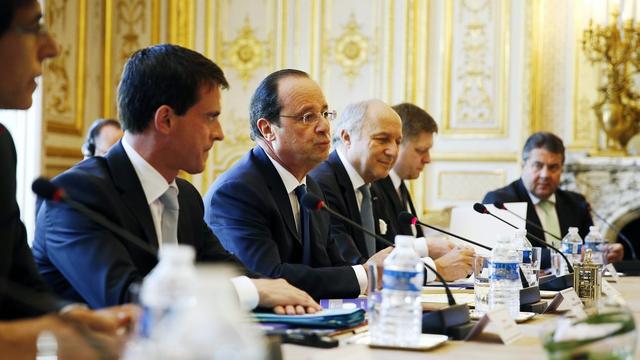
[529, 346]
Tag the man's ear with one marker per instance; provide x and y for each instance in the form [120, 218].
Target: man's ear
[163, 119]
[345, 137]
[266, 129]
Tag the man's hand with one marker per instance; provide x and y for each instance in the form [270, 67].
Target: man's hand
[377, 259]
[456, 264]
[108, 320]
[614, 252]
[439, 246]
[284, 298]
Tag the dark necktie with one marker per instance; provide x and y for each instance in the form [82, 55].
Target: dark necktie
[304, 226]
[366, 215]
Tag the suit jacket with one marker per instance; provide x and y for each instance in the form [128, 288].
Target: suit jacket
[568, 206]
[341, 197]
[389, 205]
[23, 292]
[83, 261]
[249, 209]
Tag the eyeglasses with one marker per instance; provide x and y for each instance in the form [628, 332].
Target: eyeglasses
[39, 29]
[313, 117]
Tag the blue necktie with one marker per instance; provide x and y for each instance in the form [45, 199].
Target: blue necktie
[304, 226]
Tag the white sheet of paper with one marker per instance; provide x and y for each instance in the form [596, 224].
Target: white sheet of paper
[613, 272]
[502, 323]
[575, 304]
[484, 228]
[610, 291]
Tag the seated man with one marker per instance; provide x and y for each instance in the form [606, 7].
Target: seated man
[169, 103]
[418, 129]
[367, 138]
[102, 135]
[552, 208]
[255, 207]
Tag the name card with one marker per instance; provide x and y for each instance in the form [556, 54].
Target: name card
[503, 324]
[614, 273]
[611, 292]
[576, 307]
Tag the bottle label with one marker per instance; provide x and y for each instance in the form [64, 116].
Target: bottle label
[504, 271]
[401, 280]
[571, 248]
[526, 256]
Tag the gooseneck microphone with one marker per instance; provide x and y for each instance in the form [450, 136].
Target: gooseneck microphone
[452, 321]
[483, 210]
[45, 189]
[585, 205]
[500, 205]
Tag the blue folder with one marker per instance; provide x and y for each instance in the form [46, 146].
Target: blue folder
[329, 318]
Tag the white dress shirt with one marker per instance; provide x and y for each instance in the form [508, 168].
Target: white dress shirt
[290, 184]
[420, 245]
[154, 185]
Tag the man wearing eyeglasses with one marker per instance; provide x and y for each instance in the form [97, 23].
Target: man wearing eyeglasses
[548, 206]
[254, 208]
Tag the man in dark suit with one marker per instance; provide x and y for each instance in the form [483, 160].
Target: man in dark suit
[418, 129]
[169, 105]
[367, 137]
[255, 208]
[24, 296]
[547, 205]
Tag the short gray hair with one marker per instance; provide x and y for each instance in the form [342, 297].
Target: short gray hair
[351, 120]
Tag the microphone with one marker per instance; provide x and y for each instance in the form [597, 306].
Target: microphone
[555, 284]
[529, 295]
[500, 205]
[585, 205]
[45, 189]
[453, 321]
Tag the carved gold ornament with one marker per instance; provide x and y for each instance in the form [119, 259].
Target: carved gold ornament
[351, 49]
[245, 53]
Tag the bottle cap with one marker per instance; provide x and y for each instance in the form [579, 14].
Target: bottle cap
[404, 241]
[594, 228]
[573, 230]
[521, 233]
[177, 252]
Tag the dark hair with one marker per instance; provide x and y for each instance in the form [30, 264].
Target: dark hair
[89, 146]
[163, 75]
[543, 140]
[8, 10]
[414, 121]
[265, 102]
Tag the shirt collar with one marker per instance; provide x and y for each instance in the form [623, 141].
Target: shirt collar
[536, 200]
[290, 181]
[356, 179]
[395, 179]
[153, 183]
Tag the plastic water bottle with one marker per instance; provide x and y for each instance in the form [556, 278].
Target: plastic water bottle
[400, 318]
[595, 242]
[168, 288]
[504, 277]
[571, 247]
[525, 250]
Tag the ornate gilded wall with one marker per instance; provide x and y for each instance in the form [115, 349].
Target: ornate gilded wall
[489, 72]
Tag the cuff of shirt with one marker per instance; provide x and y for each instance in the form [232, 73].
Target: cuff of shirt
[247, 292]
[361, 275]
[65, 309]
[421, 247]
[431, 276]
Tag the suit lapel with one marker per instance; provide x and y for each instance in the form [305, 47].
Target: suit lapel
[131, 193]
[278, 191]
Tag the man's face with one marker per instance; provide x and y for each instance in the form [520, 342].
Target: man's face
[22, 50]
[414, 155]
[299, 146]
[196, 131]
[541, 173]
[373, 152]
[108, 136]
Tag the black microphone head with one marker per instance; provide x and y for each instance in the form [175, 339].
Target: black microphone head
[46, 189]
[499, 205]
[480, 208]
[406, 217]
[312, 202]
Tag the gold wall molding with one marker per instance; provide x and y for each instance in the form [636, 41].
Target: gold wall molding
[182, 22]
[246, 53]
[475, 95]
[64, 152]
[467, 185]
[351, 49]
[476, 157]
[64, 79]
